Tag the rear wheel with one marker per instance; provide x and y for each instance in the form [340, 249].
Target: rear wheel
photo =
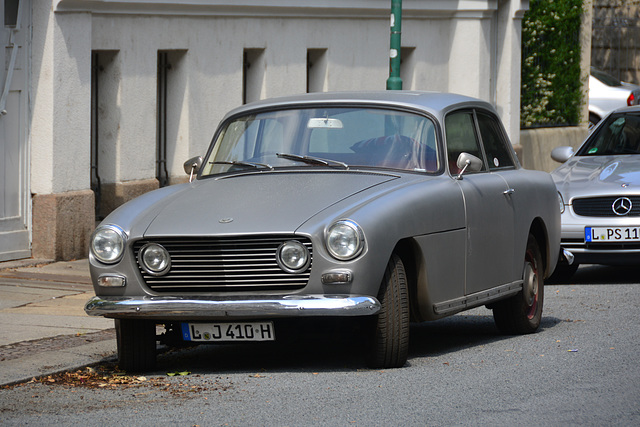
[136, 344]
[522, 313]
[390, 343]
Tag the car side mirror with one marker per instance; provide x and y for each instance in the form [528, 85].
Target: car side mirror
[192, 166]
[468, 162]
[561, 154]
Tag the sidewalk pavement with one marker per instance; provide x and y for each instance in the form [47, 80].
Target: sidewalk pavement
[44, 327]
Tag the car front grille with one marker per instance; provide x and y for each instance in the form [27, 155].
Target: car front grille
[236, 264]
[602, 206]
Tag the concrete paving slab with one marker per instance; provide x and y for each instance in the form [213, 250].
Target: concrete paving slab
[12, 297]
[18, 327]
[62, 306]
[50, 362]
[16, 295]
[42, 319]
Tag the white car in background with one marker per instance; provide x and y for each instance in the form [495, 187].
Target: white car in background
[600, 188]
[607, 93]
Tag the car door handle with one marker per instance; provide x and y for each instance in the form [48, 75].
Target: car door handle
[509, 192]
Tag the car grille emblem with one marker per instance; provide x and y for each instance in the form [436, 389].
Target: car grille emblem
[622, 206]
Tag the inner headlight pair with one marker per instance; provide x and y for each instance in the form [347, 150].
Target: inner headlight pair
[293, 257]
[154, 259]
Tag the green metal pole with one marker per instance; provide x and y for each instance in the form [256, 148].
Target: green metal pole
[394, 82]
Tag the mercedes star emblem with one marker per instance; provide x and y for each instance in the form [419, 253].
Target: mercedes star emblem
[622, 206]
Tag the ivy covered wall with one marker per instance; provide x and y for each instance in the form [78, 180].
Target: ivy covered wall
[551, 86]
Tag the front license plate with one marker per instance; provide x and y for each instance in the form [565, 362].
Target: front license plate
[219, 332]
[611, 234]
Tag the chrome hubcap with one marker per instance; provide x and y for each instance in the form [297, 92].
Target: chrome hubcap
[530, 286]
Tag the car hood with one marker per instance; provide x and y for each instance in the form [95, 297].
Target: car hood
[275, 202]
[598, 175]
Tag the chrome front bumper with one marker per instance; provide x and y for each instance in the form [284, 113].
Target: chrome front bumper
[195, 308]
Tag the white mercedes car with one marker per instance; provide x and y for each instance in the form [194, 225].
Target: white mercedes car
[600, 187]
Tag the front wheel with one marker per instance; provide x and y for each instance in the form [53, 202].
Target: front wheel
[390, 342]
[522, 313]
[136, 341]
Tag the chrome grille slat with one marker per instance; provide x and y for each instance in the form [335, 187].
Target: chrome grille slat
[227, 283]
[217, 266]
[226, 276]
[224, 264]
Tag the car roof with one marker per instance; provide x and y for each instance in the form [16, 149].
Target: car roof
[632, 109]
[436, 103]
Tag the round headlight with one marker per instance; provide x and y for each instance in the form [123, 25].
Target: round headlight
[107, 244]
[293, 257]
[345, 240]
[155, 259]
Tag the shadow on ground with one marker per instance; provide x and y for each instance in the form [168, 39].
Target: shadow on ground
[594, 274]
[331, 347]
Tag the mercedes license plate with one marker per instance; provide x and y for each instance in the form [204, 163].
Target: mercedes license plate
[611, 234]
[237, 331]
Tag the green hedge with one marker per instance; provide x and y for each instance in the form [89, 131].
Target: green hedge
[551, 87]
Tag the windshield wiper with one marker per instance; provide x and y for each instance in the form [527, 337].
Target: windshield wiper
[312, 160]
[247, 164]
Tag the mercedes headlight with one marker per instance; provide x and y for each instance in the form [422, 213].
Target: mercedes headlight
[561, 202]
[344, 240]
[107, 243]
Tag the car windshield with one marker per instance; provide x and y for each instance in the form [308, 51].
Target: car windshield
[619, 134]
[339, 138]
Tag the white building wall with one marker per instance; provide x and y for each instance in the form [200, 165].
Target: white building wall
[61, 125]
[450, 54]
[211, 74]
[42, 100]
[454, 51]
[469, 61]
[508, 64]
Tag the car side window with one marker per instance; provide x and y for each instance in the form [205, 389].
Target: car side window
[461, 137]
[494, 142]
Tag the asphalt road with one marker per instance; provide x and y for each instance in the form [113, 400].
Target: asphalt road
[579, 369]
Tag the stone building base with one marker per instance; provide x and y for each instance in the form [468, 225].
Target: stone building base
[62, 224]
[536, 145]
[116, 194]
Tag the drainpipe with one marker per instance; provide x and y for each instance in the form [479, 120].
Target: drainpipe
[394, 82]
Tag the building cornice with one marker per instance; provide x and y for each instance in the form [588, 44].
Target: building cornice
[334, 9]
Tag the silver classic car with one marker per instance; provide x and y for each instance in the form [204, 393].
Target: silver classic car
[377, 207]
[600, 186]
